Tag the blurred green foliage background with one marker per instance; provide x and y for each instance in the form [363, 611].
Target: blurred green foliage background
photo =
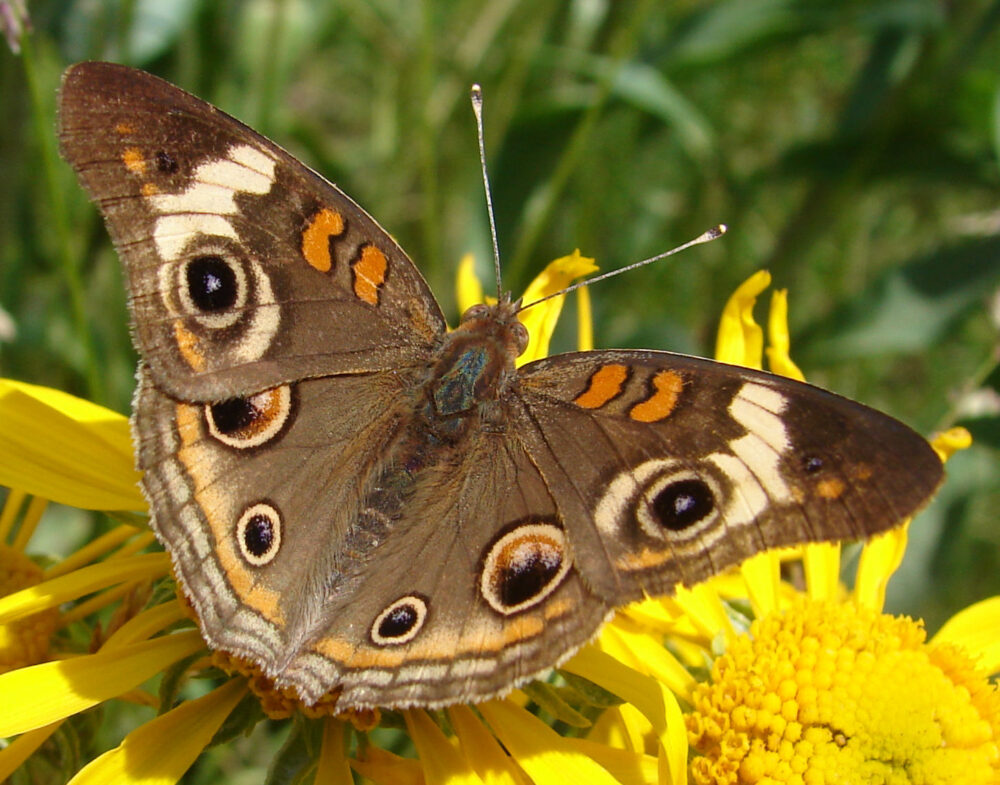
[852, 148]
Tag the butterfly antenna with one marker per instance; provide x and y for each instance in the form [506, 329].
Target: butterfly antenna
[706, 237]
[476, 95]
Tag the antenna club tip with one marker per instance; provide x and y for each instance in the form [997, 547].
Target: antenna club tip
[720, 230]
[476, 93]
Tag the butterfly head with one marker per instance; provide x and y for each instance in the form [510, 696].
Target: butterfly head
[498, 323]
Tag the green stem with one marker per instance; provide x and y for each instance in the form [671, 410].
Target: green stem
[622, 47]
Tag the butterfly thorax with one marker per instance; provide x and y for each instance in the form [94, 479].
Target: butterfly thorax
[473, 368]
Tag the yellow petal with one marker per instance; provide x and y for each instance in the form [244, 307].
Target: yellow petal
[333, 768]
[657, 703]
[625, 766]
[468, 287]
[951, 441]
[544, 755]
[880, 558]
[976, 629]
[584, 320]
[159, 752]
[762, 574]
[541, 319]
[740, 340]
[387, 768]
[778, 357]
[822, 566]
[441, 762]
[702, 605]
[481, 750]
[40, 694]
[49, 594]
[145, 624]
[21, 748]
[66, 449]
[645, 654]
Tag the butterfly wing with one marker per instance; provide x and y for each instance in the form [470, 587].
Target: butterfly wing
[363, 558]
[245, 269]
[668, 469]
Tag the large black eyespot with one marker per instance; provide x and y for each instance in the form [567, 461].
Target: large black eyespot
[400, 622]
[682, 503]
[234, 415]
[258, 534]
[211, 283]
[251, 421]
[523, 567]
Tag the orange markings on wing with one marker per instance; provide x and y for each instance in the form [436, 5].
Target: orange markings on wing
[189, 346]
[443, 646]
[149, 189]
[325, 224]
[658, 406]
[369, 274]
[124, 129]
[831, 488]
[605, 383]
[134, 160]
[216, 509]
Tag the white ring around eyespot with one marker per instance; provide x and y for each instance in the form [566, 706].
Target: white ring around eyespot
[273, 428]
[412, 600]
[652, 527]
[272, 515]
[490, 566]
[626, 497]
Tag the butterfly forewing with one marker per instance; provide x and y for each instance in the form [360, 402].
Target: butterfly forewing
[245, 268]
[681, 467]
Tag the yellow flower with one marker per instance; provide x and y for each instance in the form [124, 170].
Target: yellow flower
[53, 446]
[823, 687]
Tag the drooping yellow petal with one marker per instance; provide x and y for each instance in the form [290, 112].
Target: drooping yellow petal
[644, 653]
[481, 750]
[541, 319]
[387, 768]
[49, 594]
[161, 750]
[21, 748]
[41, 694]
[976, 629]
[703, 607]
[625, 766]
[657, 703]
[66, 449]
[544, 755]
[441, 762]
[951, 441]
[145, 624]
[332, 768]
[468, 287]
[740, 340]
